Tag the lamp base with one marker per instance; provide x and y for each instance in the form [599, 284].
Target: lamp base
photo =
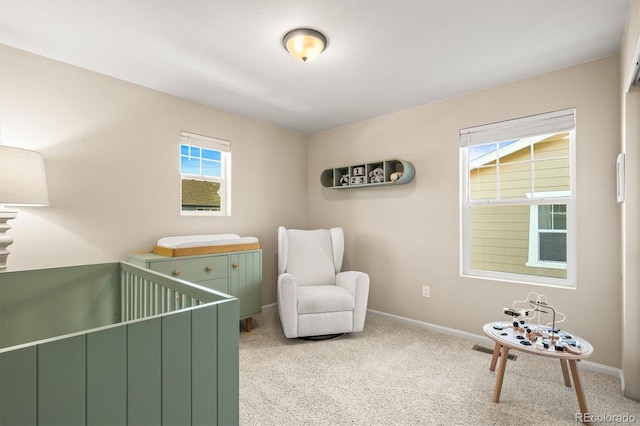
[5, 239]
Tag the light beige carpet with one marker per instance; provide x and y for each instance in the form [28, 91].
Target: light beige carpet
[398, 374]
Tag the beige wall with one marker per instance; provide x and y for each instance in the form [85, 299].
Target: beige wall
[112, 159]
[631, 212]
[408, 236]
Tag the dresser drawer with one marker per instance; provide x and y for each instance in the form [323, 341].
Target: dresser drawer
[194, 270]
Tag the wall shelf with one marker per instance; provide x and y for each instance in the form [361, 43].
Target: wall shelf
[360, 175]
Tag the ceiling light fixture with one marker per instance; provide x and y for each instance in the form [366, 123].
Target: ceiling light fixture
[304, 44]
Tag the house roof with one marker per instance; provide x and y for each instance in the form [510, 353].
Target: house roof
[508, 148]
[383, 56]
[200, 193]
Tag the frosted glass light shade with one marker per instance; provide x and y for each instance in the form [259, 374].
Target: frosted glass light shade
[22, 178]
[304, 44]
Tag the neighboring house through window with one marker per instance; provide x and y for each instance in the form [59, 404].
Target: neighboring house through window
[518, 200]
[205, 170]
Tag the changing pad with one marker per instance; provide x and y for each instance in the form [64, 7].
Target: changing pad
[192, 245]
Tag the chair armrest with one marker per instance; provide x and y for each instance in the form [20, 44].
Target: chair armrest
[358, 284]
[354, 281]
[288, 304]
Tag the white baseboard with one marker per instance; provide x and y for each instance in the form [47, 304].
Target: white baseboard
[266, 308]
[593, 366]
[434, 327]
[605, 369]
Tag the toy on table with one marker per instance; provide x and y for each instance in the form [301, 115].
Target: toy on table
[544, 335]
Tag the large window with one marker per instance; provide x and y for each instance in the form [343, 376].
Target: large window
[518, 199]
[205, 170]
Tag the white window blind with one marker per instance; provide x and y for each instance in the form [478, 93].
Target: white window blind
[187, 138]
[551, 122]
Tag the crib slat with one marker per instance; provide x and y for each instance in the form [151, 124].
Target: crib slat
[164, 296]
[126, 296]
[61, 382]
[176, 368]
[152, 299]
[107, 377]
[204, 331]
[228, 363]
[18, 387]
[123, 295]
[134, 298]
[144, 372]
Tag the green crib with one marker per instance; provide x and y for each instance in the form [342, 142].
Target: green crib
[115, 344]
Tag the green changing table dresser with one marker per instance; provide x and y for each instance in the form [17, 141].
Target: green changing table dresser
[237, 273]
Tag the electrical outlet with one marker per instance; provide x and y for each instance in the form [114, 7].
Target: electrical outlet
[426, 291]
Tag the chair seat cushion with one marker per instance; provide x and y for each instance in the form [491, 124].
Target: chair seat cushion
[324, 298]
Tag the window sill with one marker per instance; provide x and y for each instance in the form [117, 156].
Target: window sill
[519, 279]
[202, 213]
[547, 265]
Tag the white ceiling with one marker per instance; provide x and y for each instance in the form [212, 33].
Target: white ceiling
[383, 56]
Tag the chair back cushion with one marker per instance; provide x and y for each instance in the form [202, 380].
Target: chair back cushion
[310, 256]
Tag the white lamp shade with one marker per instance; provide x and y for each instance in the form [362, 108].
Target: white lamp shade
[22, 177]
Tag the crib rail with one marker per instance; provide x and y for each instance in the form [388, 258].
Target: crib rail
[146, 293]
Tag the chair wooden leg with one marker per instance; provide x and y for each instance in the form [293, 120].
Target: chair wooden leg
[504, 354]
[248, 326]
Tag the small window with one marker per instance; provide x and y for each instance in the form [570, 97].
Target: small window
[552, 233]
[548, 234]
[205, 170]
[518, 204]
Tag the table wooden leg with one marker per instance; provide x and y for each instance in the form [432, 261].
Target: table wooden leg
[494, 357]
[565, 372]
[504, 354]
[579, 393]
[248, 327]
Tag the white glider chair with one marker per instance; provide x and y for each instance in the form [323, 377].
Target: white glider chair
[314, 297]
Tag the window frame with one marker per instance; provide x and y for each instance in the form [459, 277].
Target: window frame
[224, 192]
[496, 133]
